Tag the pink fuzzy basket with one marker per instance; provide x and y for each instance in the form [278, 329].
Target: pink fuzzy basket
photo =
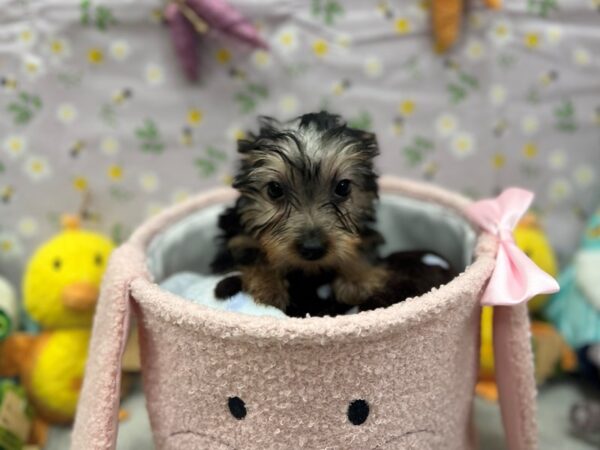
[414, 363]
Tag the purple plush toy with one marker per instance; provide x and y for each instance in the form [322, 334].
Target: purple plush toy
[188, 19]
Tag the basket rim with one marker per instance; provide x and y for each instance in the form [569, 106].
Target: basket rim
[367, 325]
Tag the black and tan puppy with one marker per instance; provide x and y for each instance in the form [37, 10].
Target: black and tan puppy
[306, 209]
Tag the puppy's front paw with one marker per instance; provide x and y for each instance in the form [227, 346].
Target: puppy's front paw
[355, 291]
[266, 288]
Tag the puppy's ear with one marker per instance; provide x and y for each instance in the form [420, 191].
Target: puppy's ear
[268, 127]
[366, 140]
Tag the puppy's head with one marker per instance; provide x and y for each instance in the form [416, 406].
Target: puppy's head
[307, 189]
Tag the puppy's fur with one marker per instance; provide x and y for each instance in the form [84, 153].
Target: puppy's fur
[307, 205]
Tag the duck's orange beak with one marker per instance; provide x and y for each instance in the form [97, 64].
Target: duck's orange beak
[80, 296]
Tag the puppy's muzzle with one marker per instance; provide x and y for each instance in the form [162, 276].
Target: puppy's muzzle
[312, 246]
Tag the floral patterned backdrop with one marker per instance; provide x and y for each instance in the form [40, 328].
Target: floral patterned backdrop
[93, 104]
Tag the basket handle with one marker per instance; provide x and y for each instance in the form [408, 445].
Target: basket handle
[96, 420]
[515, 376]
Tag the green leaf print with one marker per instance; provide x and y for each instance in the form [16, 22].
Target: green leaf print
[542, 8]
[205, 166]
[84, 7]
[249, 98]
[119, 233]
[24, 108]
[328, 10]
[565, 117]
[215, 153]
[149, 137]
[120, 194]
[104, 18]
[99, 16]
[363, 121]
[108, 114]
[2, 168]
[457, 93]
[208, 164]
[416, 151]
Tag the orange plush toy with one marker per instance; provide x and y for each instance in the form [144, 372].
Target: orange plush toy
[446, 18]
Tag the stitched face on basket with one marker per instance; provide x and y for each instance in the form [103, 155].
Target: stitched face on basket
[308, 189]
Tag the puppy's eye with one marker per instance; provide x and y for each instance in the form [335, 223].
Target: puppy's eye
[343, 188]
[274, 190]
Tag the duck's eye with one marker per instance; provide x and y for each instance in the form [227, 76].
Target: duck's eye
[343, 188]
[237, 407]
[274, 190]
[98, 259]
[358, 411]
[57, 264]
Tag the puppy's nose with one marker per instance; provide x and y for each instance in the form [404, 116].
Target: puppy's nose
[312, 246]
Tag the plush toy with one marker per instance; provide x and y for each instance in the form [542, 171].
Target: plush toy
[60, 289]
[550, 350]
[188, 20]
[15, 416]
[446, 18]
[9, 311]
[417, 272]
[575, 310]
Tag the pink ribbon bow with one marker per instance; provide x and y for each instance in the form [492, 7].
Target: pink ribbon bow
[516, 278]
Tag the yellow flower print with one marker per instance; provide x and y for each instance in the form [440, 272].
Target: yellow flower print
[557, 160]
[402, 25]
[407, 107]
[28, 227]
[119, 50]
[288, 104]
[66, 113]
[37, 168]
[287, 39]
[59, 48]
[109, 145]
[115, 172]
[27, 36]
[149, 182]
[223, 56]
[498, 160]
[194, 117]
[15, 146]
[80, 184]
[180, 195]
[530, 150]
[33, 66]
[532, 40]
[95, 55]
[154, 74]
[261, 58]
[560, 189]
[320, 47]
[584, 176]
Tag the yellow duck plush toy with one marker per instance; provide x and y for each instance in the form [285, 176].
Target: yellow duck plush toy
[549, 348]
[60, 289]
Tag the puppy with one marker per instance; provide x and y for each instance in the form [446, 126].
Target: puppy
[306, 210]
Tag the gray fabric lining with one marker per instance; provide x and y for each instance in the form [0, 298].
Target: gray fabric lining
[406, 224]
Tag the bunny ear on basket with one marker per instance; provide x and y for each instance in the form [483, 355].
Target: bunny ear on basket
[190, 19]
[516, 278]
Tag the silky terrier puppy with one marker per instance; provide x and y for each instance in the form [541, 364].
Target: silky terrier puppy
[306, 211]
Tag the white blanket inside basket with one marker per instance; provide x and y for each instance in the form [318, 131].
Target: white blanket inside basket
[406, 224]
